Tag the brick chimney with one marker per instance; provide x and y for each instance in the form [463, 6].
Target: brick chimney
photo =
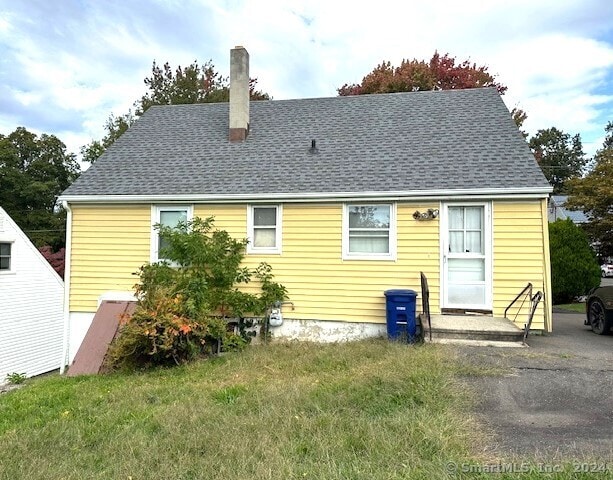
[239, 94]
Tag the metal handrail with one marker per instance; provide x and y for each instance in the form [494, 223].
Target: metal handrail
[526, 288]
[535, 300]
[425, 302]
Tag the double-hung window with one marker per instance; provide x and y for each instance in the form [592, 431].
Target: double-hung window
[167, 216]
[369, 231]
[5, 256]
[264, 228]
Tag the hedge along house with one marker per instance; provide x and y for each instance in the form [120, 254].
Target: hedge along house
[334, 193]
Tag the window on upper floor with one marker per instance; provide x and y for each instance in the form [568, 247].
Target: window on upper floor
[264, 228]
[5, 256]
[369, 231]
[167, 216]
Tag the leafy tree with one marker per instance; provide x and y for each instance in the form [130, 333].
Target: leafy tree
[574, 269]
[56, 259]
[192, 84]
[115, 127]
[559, 155]
[182, 305]
[593, 194]
[440, 73]
[519, 117]
[33, 172]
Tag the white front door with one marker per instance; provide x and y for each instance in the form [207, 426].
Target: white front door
[466, 241]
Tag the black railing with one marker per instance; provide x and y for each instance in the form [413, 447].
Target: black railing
[425, 302]
[526, 295]
[534, 303]
[528, 289]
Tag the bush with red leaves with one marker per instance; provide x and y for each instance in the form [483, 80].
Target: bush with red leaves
[56, 259]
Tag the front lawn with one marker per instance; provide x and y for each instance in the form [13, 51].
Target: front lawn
[364, 410]
[572, 307]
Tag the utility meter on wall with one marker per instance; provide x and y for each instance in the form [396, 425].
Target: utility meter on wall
[276, 318]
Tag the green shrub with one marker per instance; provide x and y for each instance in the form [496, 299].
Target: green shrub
[574, 268]
[16, 378]
[184, 303]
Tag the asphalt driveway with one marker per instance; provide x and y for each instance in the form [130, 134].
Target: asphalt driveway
[556, 401]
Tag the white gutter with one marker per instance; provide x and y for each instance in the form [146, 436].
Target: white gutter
[67, 254]
[475, 193]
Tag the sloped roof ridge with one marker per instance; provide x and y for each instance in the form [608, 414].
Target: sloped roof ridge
[407, 141]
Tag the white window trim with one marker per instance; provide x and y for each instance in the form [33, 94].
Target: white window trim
[488, 253]
[391, 255]
[11, 269]
[155, 219]
[251, 249]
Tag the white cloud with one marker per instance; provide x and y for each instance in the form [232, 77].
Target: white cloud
[70, 65]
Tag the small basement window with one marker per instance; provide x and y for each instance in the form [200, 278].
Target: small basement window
[5, 256]
[264, 227]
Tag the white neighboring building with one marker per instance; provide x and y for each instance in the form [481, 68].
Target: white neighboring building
[31, 306]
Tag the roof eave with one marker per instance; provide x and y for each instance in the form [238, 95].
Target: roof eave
[500, 193]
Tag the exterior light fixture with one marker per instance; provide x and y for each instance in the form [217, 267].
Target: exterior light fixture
[429, 214]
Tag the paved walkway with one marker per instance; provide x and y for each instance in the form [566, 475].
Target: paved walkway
[556, 402]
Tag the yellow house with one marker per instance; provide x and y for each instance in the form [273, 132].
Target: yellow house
[345, 197]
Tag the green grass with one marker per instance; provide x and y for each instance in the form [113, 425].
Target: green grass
[363, 410]
[572, 307]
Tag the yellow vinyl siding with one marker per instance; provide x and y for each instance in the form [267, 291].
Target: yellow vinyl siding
[518, 256]
[109, 243]
[231, 218]
[323, 286]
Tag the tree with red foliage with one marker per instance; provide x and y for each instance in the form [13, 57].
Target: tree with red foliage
[56, 259]
[440, 73]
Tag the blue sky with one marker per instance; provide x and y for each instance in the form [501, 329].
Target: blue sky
[66, 65]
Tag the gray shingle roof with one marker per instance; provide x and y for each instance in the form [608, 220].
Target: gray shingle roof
[558, 210]
[413, 142]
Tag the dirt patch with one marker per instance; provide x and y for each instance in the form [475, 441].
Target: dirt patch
[7, 387]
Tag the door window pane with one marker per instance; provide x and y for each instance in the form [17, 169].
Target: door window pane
[473, 242]
[466, 270]
[456, 242]
[456, 218]
[474, 218]
[466, 294]
[466, 230]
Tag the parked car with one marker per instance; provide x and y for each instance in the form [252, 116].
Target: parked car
[606, 270]
[599, 309]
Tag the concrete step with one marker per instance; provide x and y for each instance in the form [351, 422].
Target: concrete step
[478, 343]
[475, 328]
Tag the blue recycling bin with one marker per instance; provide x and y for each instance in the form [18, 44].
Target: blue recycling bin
[400, 315]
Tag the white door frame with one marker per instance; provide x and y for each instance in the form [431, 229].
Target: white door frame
[487, 249]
